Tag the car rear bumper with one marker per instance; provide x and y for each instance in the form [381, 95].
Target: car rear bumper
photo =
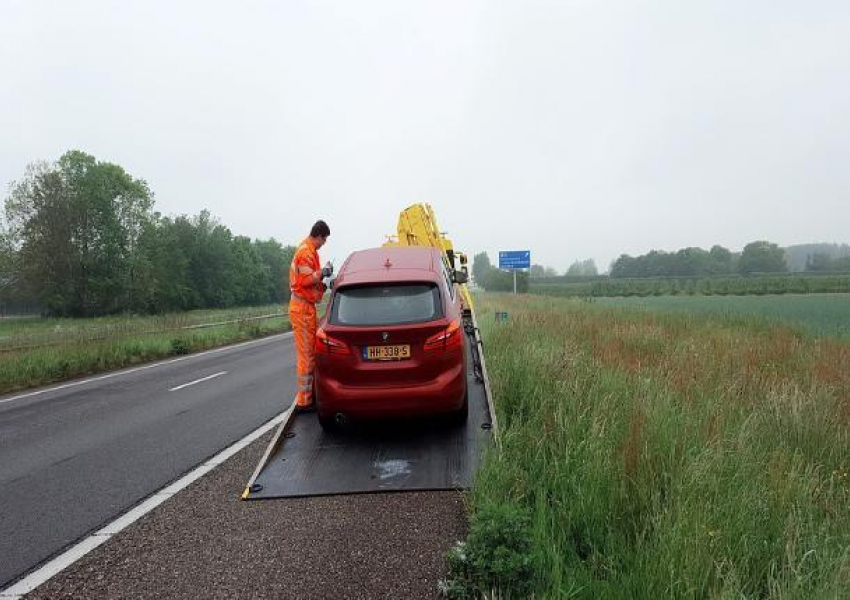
[444, 394]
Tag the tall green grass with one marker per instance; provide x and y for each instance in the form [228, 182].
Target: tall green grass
[85, 347]
[18, 332]
[670, 455]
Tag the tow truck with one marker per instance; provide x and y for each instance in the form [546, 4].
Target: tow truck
[302, 459]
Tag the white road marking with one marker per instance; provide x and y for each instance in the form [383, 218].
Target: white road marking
[142, 368]
[185, 385]
[90, 542]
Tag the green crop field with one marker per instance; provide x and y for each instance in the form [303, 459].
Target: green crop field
[651, 454]
[728, 285]
[821, 314]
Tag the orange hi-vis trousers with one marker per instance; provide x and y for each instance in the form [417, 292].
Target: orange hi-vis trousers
[302, 318]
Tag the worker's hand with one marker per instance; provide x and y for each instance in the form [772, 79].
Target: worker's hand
[327, 271]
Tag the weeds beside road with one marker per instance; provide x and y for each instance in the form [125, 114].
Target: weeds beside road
[669, 455]
[36, 352]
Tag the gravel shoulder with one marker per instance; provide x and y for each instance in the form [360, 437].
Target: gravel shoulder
[207, 543]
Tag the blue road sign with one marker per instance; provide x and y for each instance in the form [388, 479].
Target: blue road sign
[515, 259]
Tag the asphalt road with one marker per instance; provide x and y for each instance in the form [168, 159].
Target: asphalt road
[73, 457]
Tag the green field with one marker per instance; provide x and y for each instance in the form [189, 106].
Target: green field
[726, 285]
[39, 351]
[52, 329]
[820, 314]
[650, 454]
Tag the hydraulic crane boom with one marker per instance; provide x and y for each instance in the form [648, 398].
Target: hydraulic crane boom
[417, 226]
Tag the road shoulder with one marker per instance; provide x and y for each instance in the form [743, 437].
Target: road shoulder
[205, 542]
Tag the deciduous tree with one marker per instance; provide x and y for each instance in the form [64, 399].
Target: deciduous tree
[762, 257]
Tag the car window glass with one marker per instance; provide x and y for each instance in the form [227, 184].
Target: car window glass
[386, 304]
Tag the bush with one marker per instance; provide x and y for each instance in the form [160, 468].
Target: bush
[496, 559]
[498, 280]
[179, 347]
[251, 330]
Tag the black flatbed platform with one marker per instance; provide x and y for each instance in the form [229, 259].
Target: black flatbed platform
[432, 454]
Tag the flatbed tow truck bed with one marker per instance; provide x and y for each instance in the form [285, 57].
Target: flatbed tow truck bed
[304, 460]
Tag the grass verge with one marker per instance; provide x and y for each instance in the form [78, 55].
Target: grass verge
[657, 455]
[21, 333]
[78, 357]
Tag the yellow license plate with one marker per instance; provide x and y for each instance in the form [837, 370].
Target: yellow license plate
[386, 352]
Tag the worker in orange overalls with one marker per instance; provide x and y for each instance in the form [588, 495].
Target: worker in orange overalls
[306, 289]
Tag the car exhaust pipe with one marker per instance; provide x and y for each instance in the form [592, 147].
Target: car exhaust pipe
[340, 419]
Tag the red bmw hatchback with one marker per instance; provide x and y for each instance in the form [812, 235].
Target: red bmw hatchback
[392, 342]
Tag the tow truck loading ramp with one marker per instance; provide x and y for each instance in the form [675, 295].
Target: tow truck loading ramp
[304, 460]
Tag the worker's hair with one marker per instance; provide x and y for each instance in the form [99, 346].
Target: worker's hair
[320, 229]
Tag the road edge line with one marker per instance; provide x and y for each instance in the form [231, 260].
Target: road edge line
[67, 558]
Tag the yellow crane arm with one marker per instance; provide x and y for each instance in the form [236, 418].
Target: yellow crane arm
[417, 226]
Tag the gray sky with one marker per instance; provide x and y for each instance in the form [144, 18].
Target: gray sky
[576, 128]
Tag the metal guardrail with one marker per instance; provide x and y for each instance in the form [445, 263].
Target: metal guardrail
[220, 323]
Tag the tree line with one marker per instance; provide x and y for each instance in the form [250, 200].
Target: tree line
[820, 262]
[80, 237]
[579, 268]
[686, 271]
[802, 257]
[757, 257]
[760, 257]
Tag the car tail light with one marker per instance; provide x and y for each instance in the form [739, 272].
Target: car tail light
[449, 338]
[329, 345]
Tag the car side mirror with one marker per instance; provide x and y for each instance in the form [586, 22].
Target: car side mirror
[459, 277]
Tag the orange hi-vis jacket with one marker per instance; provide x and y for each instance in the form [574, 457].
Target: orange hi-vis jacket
[301, 274]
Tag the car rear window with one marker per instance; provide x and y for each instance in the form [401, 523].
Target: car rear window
[386, 304]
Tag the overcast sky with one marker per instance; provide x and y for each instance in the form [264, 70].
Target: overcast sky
[577, 129]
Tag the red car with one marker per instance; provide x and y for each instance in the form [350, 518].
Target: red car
[392, 342]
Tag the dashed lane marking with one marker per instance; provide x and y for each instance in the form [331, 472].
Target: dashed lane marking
[201, 380]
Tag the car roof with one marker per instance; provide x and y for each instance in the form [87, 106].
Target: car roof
[391, 264]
